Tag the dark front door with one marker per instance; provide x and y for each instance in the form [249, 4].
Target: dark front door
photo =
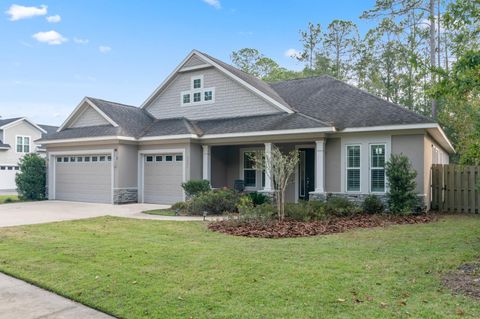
[306, 173]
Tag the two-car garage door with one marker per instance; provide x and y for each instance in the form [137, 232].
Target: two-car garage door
[163, 176]
[84, 178]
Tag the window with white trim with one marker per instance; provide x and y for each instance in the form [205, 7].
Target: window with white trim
[198, 94]
[377, 168]
[353, 168]
[23, 144]
[249, 170]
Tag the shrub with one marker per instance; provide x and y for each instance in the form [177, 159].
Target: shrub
[180, 206]
[264, 214]
[258, 198]
[31, 179]
[401, 178]
[215, 202]
[305, 211]
[195, 187]
[340, 207]
[8, 200]
[245, 204]
[373, 205]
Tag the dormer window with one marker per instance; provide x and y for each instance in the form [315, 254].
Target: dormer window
[197, 83]
[197, 95]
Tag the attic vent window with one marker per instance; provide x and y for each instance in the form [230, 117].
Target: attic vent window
[198, 94]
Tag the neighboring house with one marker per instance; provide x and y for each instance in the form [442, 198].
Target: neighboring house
[17, 138]
[207, 116]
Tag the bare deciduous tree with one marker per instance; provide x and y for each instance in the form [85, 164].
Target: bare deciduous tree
[278, 168]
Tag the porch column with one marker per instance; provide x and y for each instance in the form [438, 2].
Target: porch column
[206, 163]
[268, 178]
[320, 166]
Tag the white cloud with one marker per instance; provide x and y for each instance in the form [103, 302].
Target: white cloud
[17, 12]
[80, 41]
[292, 53]
[50, 37]
[213, 3]
[104, 49]
[54, 19]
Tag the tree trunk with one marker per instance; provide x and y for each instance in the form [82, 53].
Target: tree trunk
[432, 53]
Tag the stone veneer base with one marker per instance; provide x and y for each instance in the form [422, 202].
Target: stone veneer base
[125, 196]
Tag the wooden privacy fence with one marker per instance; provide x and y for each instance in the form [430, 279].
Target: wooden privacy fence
[454, 188]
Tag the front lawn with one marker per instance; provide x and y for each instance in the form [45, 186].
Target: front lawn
[8, 199]
[157, 269]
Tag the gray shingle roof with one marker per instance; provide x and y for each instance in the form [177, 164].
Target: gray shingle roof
[6, 121]
[88, 131]
[131, 119]
[49, 128]
[252, 80]
[273, 122]
[343, 105]
[174, 126]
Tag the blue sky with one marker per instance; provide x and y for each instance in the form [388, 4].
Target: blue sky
[53, 53]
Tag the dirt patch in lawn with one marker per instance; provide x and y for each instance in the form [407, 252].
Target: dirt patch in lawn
[289, 228]
[465, 280]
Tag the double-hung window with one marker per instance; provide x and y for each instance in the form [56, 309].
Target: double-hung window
[353, 168]
[23, 144]
[249, 170]
[377, 168]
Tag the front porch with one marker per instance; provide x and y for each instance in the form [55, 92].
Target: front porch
[224, 164]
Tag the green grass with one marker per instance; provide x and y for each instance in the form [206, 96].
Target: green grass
[161, 212]
[157, 269]
[8, 198]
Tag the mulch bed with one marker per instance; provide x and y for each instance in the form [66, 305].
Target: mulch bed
[465, 280]
[291, 228]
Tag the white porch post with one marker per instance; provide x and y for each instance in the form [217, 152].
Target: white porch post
[268, 175]
[320, 166]
[206, 163]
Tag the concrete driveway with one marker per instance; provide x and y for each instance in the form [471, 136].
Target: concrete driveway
[14, 214]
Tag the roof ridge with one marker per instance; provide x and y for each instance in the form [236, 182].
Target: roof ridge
[315, 119]
[112, 102]
[404, 108]
[301, 78]
[192, 127]
[243, 116]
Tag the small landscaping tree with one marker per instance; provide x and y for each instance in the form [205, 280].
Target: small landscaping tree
[31, 179]
[279, 168]
[195, 187]
[402, 197]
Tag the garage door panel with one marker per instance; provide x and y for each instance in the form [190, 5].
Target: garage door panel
[162, 182]
[7, 178]
[85, 181]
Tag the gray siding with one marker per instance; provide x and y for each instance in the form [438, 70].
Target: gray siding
[194, 61]
[89, 117]
[126, 166]
[333, 165]
[413, 146]
[231, 99]
[195, 160]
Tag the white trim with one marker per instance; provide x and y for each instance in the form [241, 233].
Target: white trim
[21, 119]
[319, 165]
[195, 67]
[202, 101]
[390, 127]
[231, 75]
[79, 106]
[206, 163]
[257, 171]
[88, 139]
[23, 140]
[264, 133]
[166, 137]
[370, 168]
[141, 168]
[347, 145]
[192, 80]
[268, 174]
[52, 168]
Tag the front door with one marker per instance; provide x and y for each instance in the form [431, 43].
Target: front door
[306, 173]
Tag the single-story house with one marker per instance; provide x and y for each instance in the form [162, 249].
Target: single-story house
[18, 137]
[207, 116]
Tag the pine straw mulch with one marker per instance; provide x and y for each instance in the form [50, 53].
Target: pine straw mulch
[290, 228]
[465, 280]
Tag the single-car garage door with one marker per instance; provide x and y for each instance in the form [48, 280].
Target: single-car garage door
[85, 178]
[163, 176]
[7, 177]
